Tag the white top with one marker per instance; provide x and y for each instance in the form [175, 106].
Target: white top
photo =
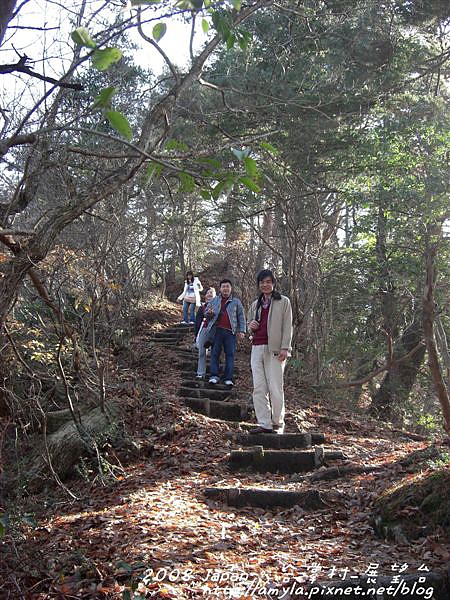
[197, 289]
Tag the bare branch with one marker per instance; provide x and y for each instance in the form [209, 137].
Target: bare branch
[157, 47]
[377, 371]
[20, 67]
[15, 232]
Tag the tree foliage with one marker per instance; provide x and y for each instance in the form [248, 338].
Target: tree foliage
[312, 139]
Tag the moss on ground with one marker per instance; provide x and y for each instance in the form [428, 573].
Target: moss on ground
[416, 506]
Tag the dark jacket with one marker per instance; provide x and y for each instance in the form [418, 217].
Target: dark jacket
[199, 318]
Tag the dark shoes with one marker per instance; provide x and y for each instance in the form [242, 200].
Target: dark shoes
[259, 429]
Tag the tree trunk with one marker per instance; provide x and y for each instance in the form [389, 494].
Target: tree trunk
[61, 450]
[428, 325]
[6, 14]
[399, 379]
[266, 233]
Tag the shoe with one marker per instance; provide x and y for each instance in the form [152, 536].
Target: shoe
[259, 429]
[183, 322]
[199, 376]
[213, 380]
[228, 382]
[278, 429]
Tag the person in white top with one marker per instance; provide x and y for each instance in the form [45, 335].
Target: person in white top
[190, 297]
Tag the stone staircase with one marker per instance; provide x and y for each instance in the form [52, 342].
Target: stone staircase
[300, 452]
[172, 336]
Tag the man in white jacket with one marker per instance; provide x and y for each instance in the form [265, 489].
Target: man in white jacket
[270, 323]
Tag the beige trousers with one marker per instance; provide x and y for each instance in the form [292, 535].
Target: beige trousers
[268, 393]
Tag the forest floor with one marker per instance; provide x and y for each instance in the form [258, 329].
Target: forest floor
[150, 532]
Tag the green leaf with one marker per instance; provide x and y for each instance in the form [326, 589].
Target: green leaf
[174, 144]
[244, 38]
[205, 25]
[103, 100]
[81, 37]
[213, 162]
[230, 41]
[187, 183]
[153, 170]
[250, 184]
[103, 59]
[251, 167]
[221, 24]
[267, 146]
[126, 595]
[159, 31]
[217, 190]
[236, 4]
[120, 123]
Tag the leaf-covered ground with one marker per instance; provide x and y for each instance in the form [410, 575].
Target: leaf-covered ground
[151, 533]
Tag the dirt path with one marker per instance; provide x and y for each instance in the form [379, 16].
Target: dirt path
[152, 532]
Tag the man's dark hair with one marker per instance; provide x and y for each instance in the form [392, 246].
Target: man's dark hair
[265, 273]
[262, 275]
[226, 281]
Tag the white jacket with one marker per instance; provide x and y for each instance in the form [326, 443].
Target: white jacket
[197, 289]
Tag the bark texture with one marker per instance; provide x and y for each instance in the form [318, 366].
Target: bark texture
[60, 451]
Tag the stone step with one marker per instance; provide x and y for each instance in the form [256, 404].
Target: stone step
[186, 373]
[316, 436]
[283, 461]
[165, 341]
[203, 384]
[279, 441]
[266, 498]
[175, 335]
[275, 441]
[187, 353]
[191, 365]
[180, 333]
[192, 381]
[192, 349]
[212, 394]
[183, 326]
[227, 411]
